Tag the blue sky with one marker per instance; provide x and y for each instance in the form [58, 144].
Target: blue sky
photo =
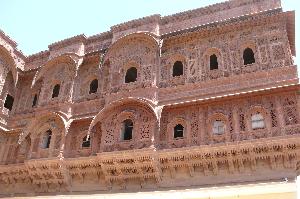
[34, 24]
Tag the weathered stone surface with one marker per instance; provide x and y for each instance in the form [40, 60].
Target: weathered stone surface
[204, 97]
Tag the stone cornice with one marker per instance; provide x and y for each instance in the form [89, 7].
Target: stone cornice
[136, 22]
[227, 24]
[223, 6]
[69, 41]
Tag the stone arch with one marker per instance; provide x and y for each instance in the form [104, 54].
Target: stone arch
[174, 58]
[179, 120]
[62, 69]
[140, 47]
[131, 64]
[87, 72]
[38, 121]
[11, 61]
[210, 52]
[141, 111]
[218, 116]
[147, 36]
[69, 59]
[252, 46]
[48, 122]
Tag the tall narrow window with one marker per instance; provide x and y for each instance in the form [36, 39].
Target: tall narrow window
[34, 102]
[248, 56]
[257, 121]
[177, 69]
[131, 75]
[55, 91]
[127, 128]
[9, 102]
[178, 131]
[213, 60]
[93, 86]
[47, 139]
[218, 127]
[86, 142]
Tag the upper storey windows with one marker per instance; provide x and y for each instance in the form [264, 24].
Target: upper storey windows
[9, 101]
[127, 128]
[218, 127]
[213, 62]
[257, 121]
[131, 75]
[178, 131]
[93, 86]
[177, 69]
[55, 91]
[46, 139]
[248, 56]
[34, 101]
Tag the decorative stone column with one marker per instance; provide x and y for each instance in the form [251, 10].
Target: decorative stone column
[280, 115]
[235, 121]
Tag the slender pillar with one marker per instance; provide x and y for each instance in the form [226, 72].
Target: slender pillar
[280, 115]
[235, 121]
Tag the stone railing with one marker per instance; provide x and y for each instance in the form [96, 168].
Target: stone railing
[158, 168]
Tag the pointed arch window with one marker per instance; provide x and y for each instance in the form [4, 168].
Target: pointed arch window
[177, 69]
[127, 128]
[93, 86]
[131, 75]
[213, 62]
[248, 56]
[55, 91]
[178, 131]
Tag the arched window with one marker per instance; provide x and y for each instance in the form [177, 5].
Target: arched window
[34, 102]
[127, 127]
[9, 102]
[218, 127]
[93, 86]
[47, 139]
[248, 56]
[178, 131]
[213, 62]
[177, 69]
[55, 91]
[257, 121]
[86, 142]
[131, 75]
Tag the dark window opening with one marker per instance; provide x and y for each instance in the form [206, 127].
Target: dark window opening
[248, 56]
[55, 91]
[9, 102]
[93, 86]
[34, 102]
[131, 75]
[213, 62]
[86, 142]
[127, 129]
[47, 139]
[177, 69]
[178, 131]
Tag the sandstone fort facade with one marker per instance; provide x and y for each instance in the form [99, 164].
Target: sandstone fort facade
[205, 102]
